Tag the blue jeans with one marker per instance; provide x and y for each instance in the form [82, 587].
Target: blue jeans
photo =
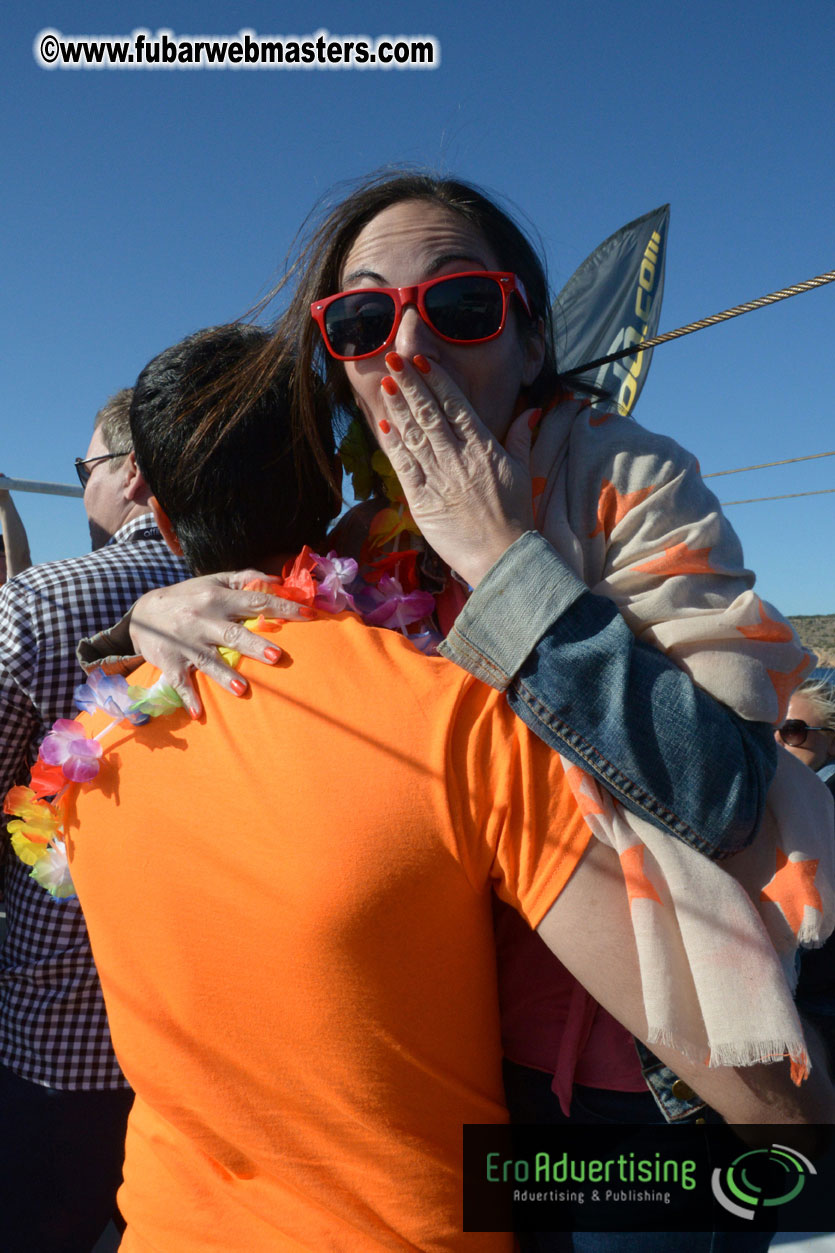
[577, 676]
[663, 1242]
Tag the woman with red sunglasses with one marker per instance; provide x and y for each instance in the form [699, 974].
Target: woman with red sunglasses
[426, 311]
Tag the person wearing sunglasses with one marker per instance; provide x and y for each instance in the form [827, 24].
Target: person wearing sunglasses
[419, 296]
[106, 478]
[809, 729]
[84, 466]
[63, 1096]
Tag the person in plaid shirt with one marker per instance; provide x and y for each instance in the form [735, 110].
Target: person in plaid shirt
[63, 1099]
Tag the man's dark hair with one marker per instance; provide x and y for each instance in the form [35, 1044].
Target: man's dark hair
[236, 495]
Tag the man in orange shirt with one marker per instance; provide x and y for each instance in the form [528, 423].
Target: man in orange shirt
[289, 900]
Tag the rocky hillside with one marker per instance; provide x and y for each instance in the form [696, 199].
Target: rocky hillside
[818, 633]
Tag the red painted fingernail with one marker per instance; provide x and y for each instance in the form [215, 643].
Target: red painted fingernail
[238, 687]
[388, 385]
[385, 426]
[394, 362]
[306, 611]
[533, 420]
[421, 363]
[193, 713]
[272, 654]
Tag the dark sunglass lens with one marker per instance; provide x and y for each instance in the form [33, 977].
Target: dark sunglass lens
[465, 308]
[793, 732]
[359, 323]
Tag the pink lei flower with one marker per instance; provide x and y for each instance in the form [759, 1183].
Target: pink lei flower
[389, 605]
[68, 747]
[334, 574]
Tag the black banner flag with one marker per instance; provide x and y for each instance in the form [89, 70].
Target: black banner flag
[614, 300]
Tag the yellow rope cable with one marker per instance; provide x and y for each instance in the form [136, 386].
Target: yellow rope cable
[765, 464]
[825, 491]
[795, 290]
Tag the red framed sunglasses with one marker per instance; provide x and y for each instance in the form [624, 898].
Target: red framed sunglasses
[466, 308]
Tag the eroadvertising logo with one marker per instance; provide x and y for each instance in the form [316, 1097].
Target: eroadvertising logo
[761, 1177]
[673, 1178]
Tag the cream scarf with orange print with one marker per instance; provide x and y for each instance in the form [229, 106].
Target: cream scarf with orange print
[628, 512]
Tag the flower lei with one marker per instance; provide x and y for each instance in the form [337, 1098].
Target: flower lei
[67, 755]
[389, 597]
[394, 574]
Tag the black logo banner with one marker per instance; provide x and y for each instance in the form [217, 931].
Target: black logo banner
[649, 1178]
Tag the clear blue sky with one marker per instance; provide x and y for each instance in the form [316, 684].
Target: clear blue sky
[139, 206]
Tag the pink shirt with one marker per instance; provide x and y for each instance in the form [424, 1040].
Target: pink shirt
[551, 1023]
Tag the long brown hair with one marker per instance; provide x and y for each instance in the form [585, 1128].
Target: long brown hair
[317, 272]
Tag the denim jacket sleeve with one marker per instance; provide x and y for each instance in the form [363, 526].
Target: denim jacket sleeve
[577, 676]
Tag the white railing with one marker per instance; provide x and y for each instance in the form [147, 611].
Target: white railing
[47, 489]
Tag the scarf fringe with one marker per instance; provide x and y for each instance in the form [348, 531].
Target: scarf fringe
[811, 935]
[740, 1053]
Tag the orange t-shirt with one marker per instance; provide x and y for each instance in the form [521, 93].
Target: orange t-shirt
[289, 908]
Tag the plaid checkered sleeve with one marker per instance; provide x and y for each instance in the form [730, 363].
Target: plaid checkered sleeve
[53, 1026]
